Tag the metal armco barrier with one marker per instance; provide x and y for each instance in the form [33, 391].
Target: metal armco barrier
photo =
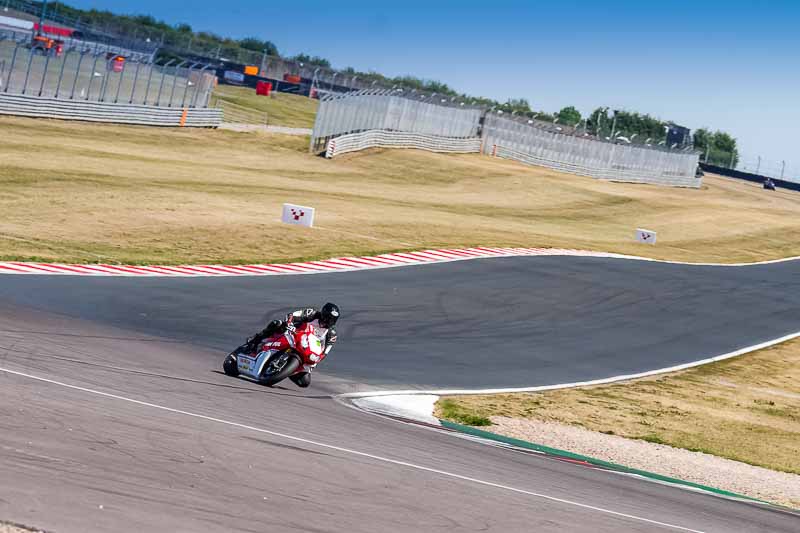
[605, 173]
[396, 139]
[35, 106]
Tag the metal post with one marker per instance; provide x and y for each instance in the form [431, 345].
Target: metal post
[731, 163]
[188, 79]
[708, 149]
[758, 165]
[149, 79]
[91, 76]
[11, 68]
[27, 72]
[783, 167]
[135, 80]
[61, 74]
[614, 125]
[163, 75]
[175, 82]
[119, 82]
[44, 73]
[197, 87]
[77, 74]
[42, 14]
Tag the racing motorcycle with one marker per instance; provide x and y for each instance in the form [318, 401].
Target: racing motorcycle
[296, 351]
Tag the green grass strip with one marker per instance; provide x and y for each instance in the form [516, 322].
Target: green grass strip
[591, 460]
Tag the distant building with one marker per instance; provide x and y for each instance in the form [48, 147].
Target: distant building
[678, 135]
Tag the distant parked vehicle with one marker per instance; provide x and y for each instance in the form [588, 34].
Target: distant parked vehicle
[46, 45]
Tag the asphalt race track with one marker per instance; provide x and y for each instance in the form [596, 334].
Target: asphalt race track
[505, 322]
[114, 415]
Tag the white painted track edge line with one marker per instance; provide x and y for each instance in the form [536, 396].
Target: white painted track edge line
[601, 381]
[351, 451]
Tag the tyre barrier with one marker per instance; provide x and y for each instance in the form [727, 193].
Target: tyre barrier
[354, 142]
[41, 107]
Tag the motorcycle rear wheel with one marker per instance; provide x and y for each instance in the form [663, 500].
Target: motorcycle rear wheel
[287, 370]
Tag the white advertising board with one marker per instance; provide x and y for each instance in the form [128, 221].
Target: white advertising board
[298, 215]
[16, 23]
[645, 236]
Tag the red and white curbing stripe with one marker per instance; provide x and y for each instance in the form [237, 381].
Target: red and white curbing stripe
[340, 264]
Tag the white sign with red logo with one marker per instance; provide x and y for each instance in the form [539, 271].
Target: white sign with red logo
[298, 214]
[645, 236]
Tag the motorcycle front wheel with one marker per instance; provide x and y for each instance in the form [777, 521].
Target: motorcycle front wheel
[279, 369]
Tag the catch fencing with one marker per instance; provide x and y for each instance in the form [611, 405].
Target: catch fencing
[588, 156]
[437, 120]
[397, 139]
[91, 74]
[40, 107]
[340, 114]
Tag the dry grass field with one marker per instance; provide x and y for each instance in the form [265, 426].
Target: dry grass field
[82, 192]
[746, 409]
[278, 109]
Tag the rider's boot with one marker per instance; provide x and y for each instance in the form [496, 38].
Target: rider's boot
[302, 380]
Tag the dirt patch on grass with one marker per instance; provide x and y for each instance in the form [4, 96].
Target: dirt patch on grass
[746, 409]
[92, 192]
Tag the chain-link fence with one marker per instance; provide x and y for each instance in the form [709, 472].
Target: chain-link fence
[761, 166]
[75, 71]
[524, 139]
[339, 114]
[585, 151]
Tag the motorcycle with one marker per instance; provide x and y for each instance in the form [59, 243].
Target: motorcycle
[296, 351]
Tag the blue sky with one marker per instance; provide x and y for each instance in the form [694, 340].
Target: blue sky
[730, 65]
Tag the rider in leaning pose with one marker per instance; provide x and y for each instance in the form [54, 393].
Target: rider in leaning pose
[324, 320]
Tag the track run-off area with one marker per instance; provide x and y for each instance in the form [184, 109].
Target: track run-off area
[116, 415]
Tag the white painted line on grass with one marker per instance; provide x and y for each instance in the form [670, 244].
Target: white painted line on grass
[602, 381]
[352, 452]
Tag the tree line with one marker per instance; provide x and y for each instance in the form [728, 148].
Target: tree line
[717, 147]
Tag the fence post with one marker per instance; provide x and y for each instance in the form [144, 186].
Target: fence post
[135, 80]
[149, 79]
[119, 82]
[77, 74]
[175, 82]
[44, 72]
[163, 75]
[200, 76]
[11, 67]
[188, 80]
[61, 74]
[27, 72]
[91, 76]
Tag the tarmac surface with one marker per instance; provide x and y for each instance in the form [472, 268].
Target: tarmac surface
[114, 414]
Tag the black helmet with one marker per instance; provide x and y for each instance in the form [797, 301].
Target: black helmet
[328, 315]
